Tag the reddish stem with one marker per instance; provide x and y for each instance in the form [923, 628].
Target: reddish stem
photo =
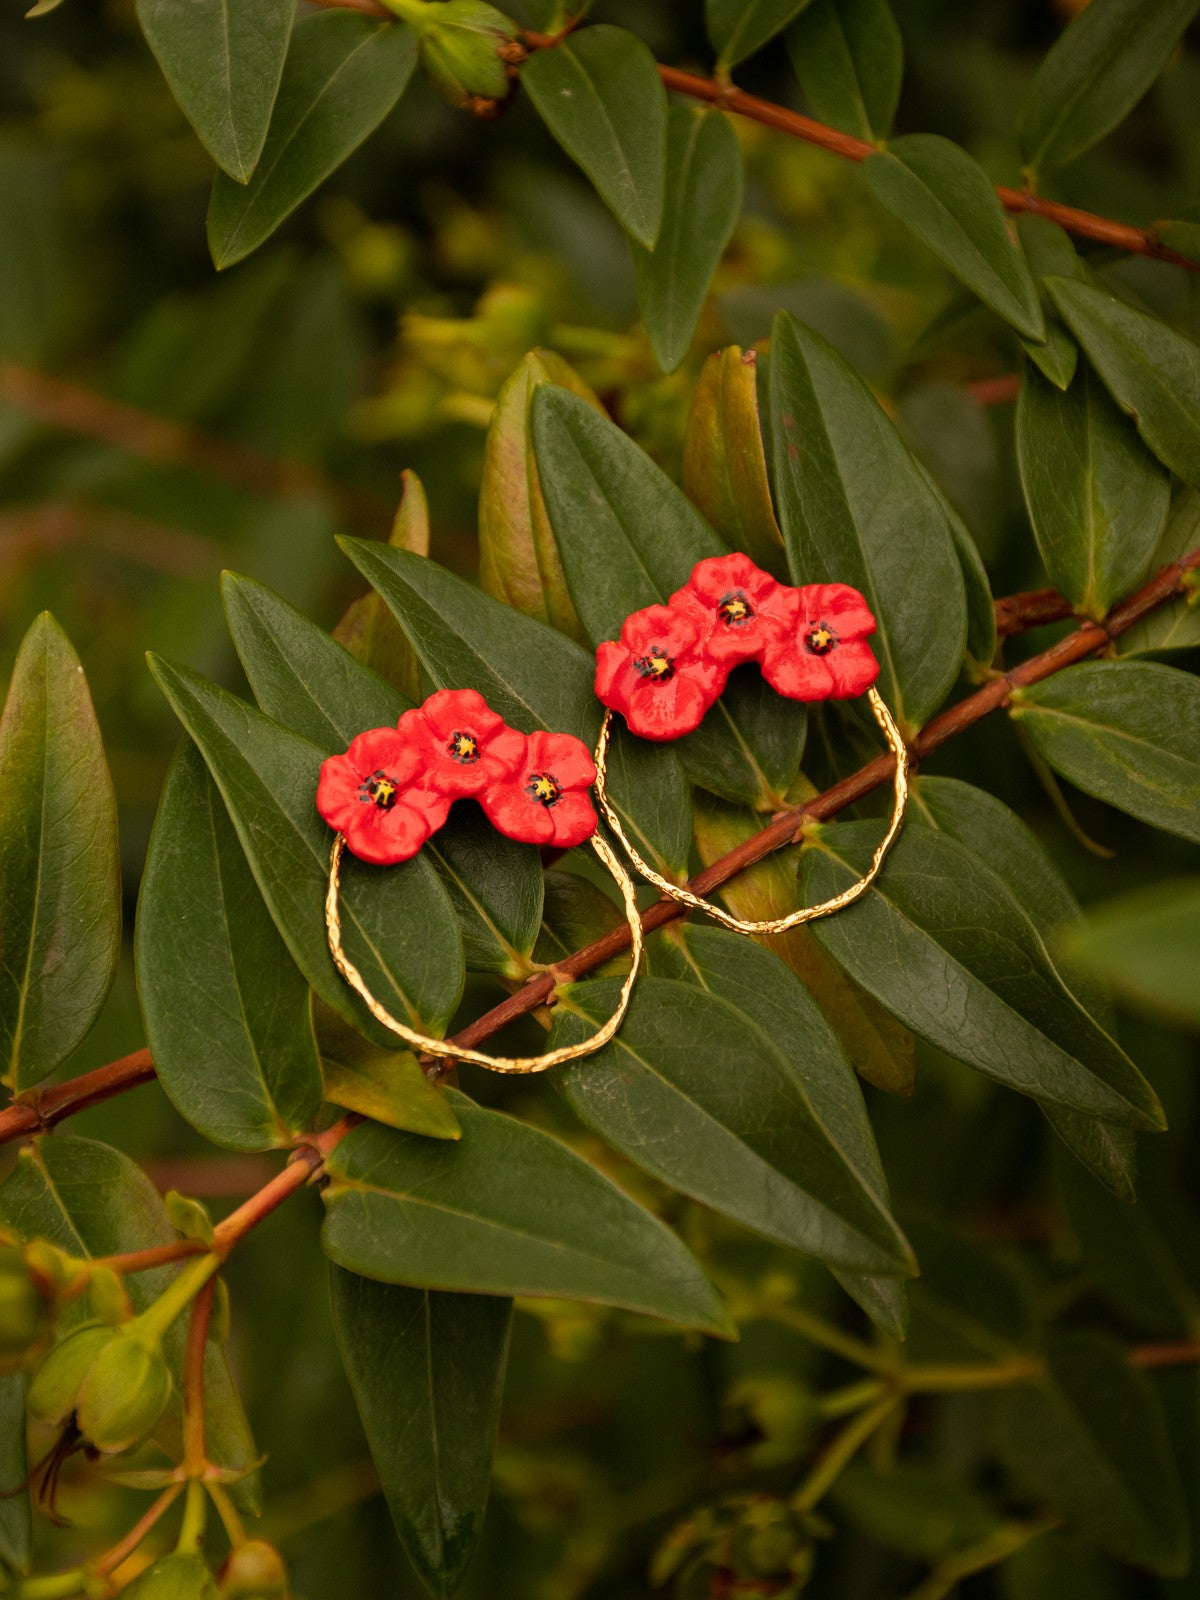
[1016, 612]
[161, 1255]
[194, 1457]
[40, 1109]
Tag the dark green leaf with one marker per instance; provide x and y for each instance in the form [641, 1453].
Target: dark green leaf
[531, 675]
[849, 58]
[1175, 626]
[628, 539]
[695, 1092]
[1050, 254]
[969, 1301]
[91, 1200]
[368, 629]
[737, 28]
[397, 921]
[1152, 372]
[1125, 731]
[342, 76]
[913, 1508]
[1096, 498]
[943, 944]
[225, 1008]
[703, 202]
[935, 188]
[301, 677]
[60, 886]
[600, 95]
[435, 1364]
[222, 59]
[16, 1512]
[857, 508]
[508, 1210]
[1090, 1439]
[1096, 73]
[1147, 945]
[576, 913]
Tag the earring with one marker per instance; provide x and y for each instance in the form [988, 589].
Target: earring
[393, 789]
[671, 663]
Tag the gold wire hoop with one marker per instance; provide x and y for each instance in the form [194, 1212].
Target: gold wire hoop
[452, 1052]
[806, 913]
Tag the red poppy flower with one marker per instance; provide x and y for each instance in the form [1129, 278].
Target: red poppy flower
[461, 743]
[659, 676]
[735, 604]
[545, 801]
[375, 797]
[822, 653]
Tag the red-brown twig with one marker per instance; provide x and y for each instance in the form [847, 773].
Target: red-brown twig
[1034, 608]
[42, 1108]
[194, 1454]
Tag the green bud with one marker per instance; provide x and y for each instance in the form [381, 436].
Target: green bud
[460, 50]
[110, 1302]
[188, 1217]
[24, 1313]
[54, 1392]
[124, 1394]
[182, 1575]
[767, 1538]
[254, 1571]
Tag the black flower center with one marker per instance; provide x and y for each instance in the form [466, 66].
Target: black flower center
[544, 789]
[463, 748]
[379, 790]
[735, 610]
[820, 639]
[656, 664]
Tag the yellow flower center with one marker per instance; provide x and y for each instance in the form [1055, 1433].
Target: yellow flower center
[735, 609]
[463, 748]
[820, 639]
[378, 790]
[655, 664]
[543, 787]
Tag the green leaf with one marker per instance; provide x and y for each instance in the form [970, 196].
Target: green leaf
[397, 922]
[913, 1508]
[518, 559]
[60, 881]
[695, 1092]
[391, 1087]
[222, 59]
[1095, 74]
[1090, 1439]
[724, 463]
[576, 913]
[1147, 945]
[1050, 254]
[509, 1211]
[849, 58]
[531, 675]
[1175, 626]
[305, 680]
[703, 203]
[225, 1008]
[934, 187]
[600, 95]
[857, 508]
[628, 539]
[91, 1200]
[434, 1362]
[16, 1511]
[368, 630]
[1152, 372]
[1127, 732]
[1096, 498]
[941, 942]
[342, 76]
[737, 28]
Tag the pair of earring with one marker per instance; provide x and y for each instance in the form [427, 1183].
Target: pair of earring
[394, 786]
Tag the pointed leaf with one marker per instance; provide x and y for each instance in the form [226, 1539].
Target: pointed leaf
[342, 76]
[508, 1210]
[703, 203]
[222, 59]
[225, 1008]
[1050, 254]
[391, 1087]
[1152, 372]
[60, 886]
[857, 508]
[1147, 945]
[303, 679]
[737, 28]
[1127, 732]
[1095, 74]
[368, 629]
[849, 58]
[397, 922]
[942, 943]
[600, 95]
[437, 1362]
[1175, 626]
[724, 463]
[935, 188]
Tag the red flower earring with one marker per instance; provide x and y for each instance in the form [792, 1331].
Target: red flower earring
[393, 788]
[672, 661]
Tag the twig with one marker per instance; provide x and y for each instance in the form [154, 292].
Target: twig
[40, 1110]
[194, 1455]
[113, 1558]
[1032, 609]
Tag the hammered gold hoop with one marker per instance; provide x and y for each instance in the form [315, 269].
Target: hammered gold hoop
[455, 1052]
[806, 913]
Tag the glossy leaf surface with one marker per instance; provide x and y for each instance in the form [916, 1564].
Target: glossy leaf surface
[737, 28]
[1175, 626]
[849, 58]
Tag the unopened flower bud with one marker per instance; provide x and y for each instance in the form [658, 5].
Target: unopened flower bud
[460, 50]
[254, 1571]
[124, 1393]
[182, 1575]
[54, 1392]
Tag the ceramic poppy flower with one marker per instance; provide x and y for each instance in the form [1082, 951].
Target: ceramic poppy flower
[659, 676]
[736, 605]
[375, 795]
[461, 743]
[822, 651]
[545, 801]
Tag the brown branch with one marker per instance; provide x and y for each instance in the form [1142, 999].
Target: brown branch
[1016, 612]
[39, 1110]
[159, 1255]
[194, 1456]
